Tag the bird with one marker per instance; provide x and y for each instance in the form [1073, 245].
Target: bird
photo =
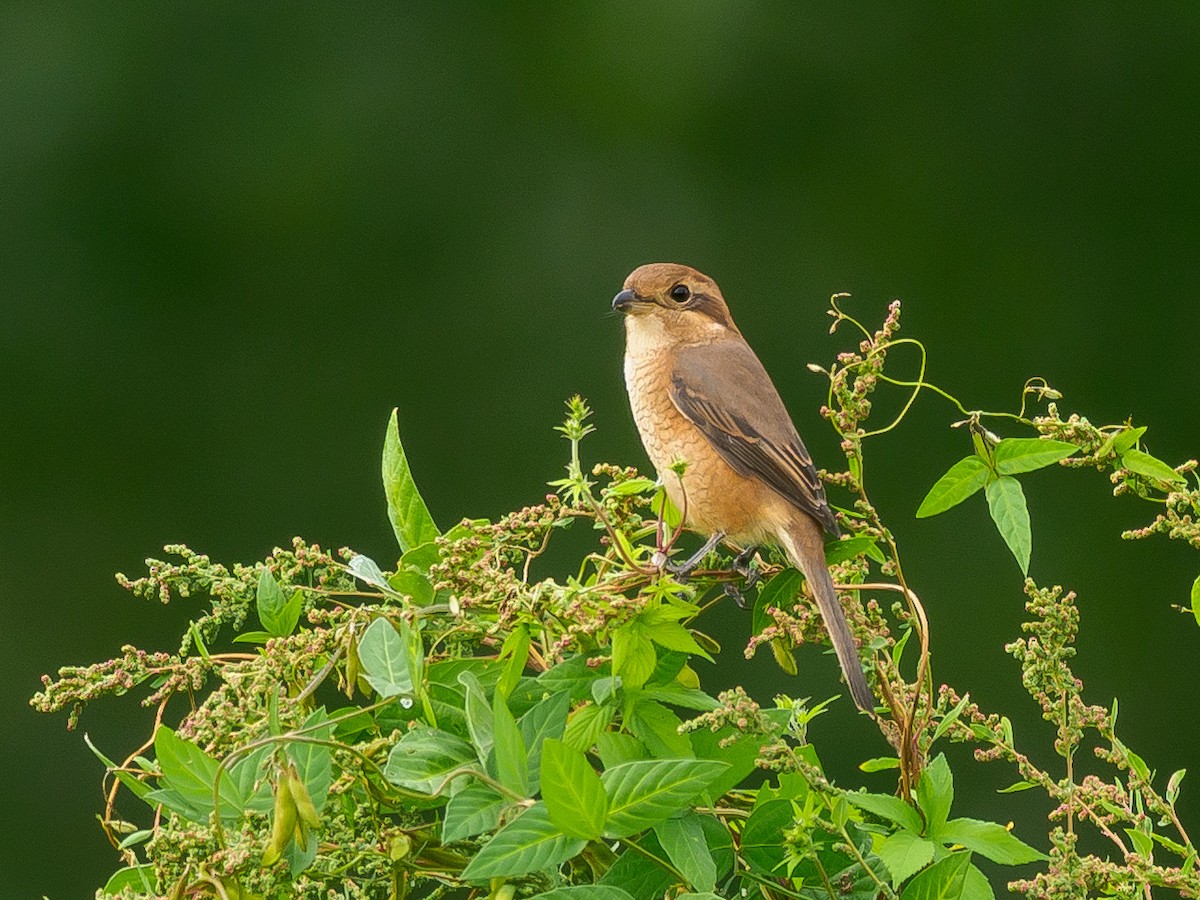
[700, 394]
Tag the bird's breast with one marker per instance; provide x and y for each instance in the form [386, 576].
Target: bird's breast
[713, 495]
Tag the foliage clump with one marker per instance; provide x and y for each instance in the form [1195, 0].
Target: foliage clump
[451, 726]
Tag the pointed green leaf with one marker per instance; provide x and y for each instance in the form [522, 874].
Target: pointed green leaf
[278, 613]
[190, 772]
[633, 656]
[674, 636]
[837, 551]
[1016, 455]
[585, 892]
[762, 842]
[945, 880]
[425, 759]
[406, 510]
[778, 593]
[879, 764]
[313, 760]
[529, 843]
[548, 719]
[976, 885]
[988, 839]
[512, 763]
[905, 854]
[618, 747]
[1150, 467]
[1196, 599]
[139, 879]
[383, 654]
[962, 480]
[572, 791]
[889, 807]
[1006, 503]
[412, 583]
[473, 810]
[645, 792]
[586, 725]
[480, 718]
[1016, 787]
[935, 793]
[658, 728]
[1123, 440]
[683, 839]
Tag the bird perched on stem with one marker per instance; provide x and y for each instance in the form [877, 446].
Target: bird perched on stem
[700, 394]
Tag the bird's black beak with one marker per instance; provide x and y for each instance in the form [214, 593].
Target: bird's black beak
[624, 300]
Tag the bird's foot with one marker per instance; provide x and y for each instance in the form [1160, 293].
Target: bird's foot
[683, 569]
[741, 565]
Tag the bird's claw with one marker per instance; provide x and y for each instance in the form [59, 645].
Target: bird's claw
[734, 593]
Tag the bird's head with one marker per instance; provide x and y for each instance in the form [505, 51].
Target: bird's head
[684, 303]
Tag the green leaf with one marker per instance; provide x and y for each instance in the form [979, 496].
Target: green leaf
[888, 807]
[988, 839]
[313, 760]
[1196, 599]
[249, 775]
[962, 480]
[935, 793]
[512, 764]
[586, 725]
[1123, 440]
[632, 486]
[945, 880]
[253, 637]
[683, 839]
[617, 747]
[406, 510]
[383, 653]
[412, 583]
[1150, 467]
[779, 593]
[837, 551]
[879, 764]
[1016, 787]
[548, 719]
[976, 885]
[480, 718]
[277, 613]
[762, 843]
[905, 854]
[572, 791]
[1143, 844]
[514, 654]
[424, 760]
[190, 772]
[529, 843]
[741, 754]
[658, 728]
[674, 636]
[633, 655]
[473, 810]
[139, 879]
[950, 718]
[676, 694]
[645, 792]
[1016, 455]
[1006, 503]
[585, 892]
[136, 786]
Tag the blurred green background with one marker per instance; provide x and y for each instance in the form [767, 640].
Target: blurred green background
[232, 241]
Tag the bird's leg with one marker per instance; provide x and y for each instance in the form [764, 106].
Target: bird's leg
[681, 570]
[741, 565]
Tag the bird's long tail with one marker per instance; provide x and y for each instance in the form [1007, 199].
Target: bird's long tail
[804, 543]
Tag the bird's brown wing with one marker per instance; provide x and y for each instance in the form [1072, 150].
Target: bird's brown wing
[723, 390]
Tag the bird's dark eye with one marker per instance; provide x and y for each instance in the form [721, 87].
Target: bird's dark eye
[680, 293]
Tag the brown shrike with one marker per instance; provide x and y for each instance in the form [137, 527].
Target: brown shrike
[700, 394]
